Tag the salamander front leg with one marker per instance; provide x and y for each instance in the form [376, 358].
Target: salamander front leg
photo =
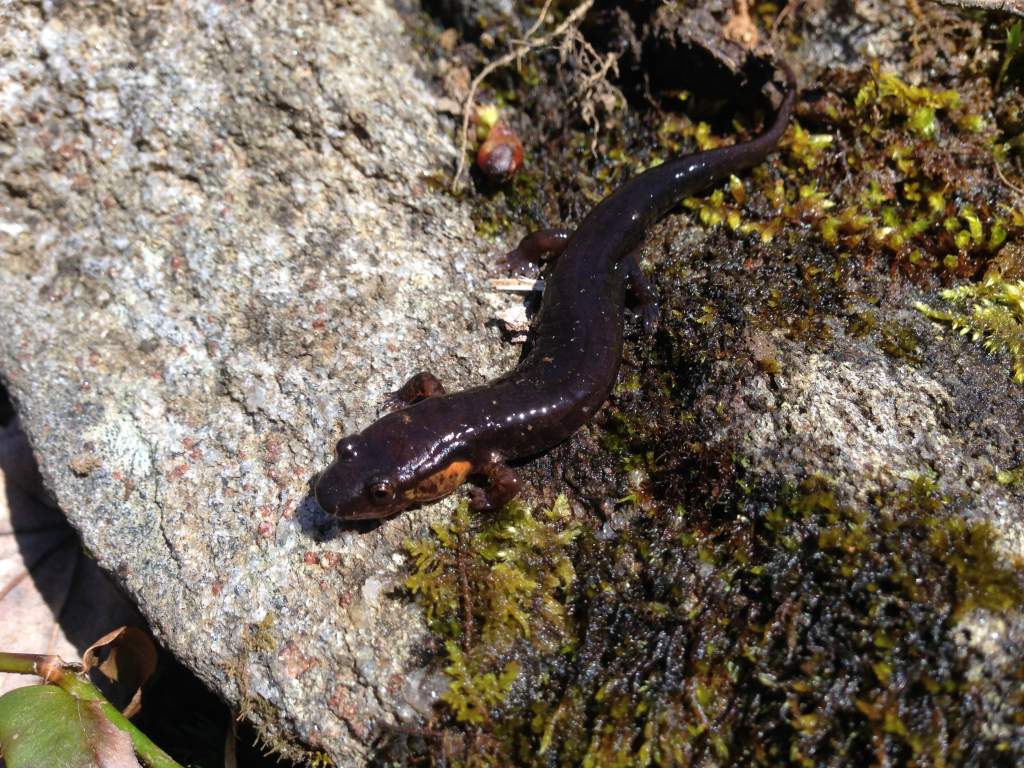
[502, 486]
[421, 386]
[533, 248]
[641, 294]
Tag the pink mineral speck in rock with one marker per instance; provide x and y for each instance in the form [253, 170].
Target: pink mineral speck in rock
[342, 705]
[177, 472]
[295, 662]
[330, 559]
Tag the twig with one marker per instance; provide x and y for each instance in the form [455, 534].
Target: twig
[1008, 183]
[788, 9]
[516, 284]
[521, 48]
[592, 72]
[1015, 7]
[464, 597]
[540, 19]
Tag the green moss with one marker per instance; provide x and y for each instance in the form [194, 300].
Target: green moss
[799, 629]
[808, 148]
[320, 760]
[900, 342]
[1013, 476]
[516, 203]
[1013, 48]
[995, 318]
[518, 564]
[258, 637]
[470, 695]
[625, 437]
[883, 141]
[716, 618]
[862, 324]
[894, 97]
[496, 595]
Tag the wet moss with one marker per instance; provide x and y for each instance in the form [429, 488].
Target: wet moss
[877, 167]
[1011, 477]
[862, 324]
[797, 629]
[900, 342]
[518, 564]
[995, 319]
[496, 594]
[510, 206]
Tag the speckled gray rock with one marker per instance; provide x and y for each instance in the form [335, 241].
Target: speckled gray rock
[848, 412]
[220, 247]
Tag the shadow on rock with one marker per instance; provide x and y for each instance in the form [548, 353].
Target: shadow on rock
[82, 601]
[322, 526]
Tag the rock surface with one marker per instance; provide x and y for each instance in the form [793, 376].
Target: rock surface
[221, 246]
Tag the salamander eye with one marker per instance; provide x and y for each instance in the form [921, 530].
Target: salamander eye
[345, 450]
[381, 491]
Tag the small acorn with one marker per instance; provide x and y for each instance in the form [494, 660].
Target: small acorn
[501, 154]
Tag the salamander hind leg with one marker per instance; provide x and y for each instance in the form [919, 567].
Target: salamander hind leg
[533, 248]
[502, 486]
[421, 386]
[641, 295]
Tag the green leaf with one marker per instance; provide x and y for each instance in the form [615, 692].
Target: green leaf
[43, 726]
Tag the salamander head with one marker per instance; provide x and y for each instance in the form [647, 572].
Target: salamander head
[361, 483]
[388, 467]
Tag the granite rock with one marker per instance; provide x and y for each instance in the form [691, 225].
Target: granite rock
[222, 243]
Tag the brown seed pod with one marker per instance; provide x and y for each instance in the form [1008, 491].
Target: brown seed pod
[501, 154]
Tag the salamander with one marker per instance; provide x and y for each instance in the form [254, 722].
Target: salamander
[432, 441]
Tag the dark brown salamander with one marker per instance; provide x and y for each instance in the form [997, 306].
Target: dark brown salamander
[433, 441]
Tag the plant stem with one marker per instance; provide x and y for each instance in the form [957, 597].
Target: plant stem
[18, 663]
[54, 671]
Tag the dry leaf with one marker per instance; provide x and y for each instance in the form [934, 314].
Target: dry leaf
[130, 661]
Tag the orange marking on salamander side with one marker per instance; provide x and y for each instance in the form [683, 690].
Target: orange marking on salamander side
[441, 483]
